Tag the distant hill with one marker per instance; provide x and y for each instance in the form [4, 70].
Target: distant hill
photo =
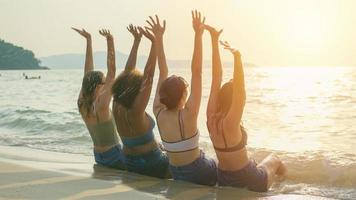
[76, 61]
[15, 57]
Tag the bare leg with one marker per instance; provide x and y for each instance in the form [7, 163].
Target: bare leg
[273, 166]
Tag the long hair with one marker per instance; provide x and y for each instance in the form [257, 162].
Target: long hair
[225, 100]
[90, 81]
[126, 87]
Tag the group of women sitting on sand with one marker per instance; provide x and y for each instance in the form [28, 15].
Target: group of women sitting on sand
[176, 111]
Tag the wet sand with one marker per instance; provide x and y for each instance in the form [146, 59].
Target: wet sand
[64, 176]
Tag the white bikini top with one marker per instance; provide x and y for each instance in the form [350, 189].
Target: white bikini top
[183, 145]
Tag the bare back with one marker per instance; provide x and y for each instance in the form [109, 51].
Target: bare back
[99, 110]
[222, 136]
[131, 125]
[173, 127]
[134, 122]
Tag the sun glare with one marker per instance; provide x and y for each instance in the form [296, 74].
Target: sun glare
[305, 31]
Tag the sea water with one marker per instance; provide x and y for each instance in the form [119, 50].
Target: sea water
[305, 115]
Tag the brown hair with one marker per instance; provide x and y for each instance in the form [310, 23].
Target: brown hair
[90, 81]
[225, 100]
[126, 87]
[172, 90]
[225, 97]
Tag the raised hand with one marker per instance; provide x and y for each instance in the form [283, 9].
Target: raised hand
[134, 30]
[198, 22]
[213, 32]
[147, 34]
[155, 26]
[106, 33]
[83, 33]
[227, 46]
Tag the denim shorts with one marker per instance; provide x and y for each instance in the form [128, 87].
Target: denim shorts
[113, 158]
[251, 176]
[201, 171]
[154, 163]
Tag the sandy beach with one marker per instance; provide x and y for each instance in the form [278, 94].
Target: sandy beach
[50, 175]
[250, 95]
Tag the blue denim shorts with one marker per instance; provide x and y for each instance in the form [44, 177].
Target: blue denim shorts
[113, 158]
[252, 177]
[201, 171]
[154, 163]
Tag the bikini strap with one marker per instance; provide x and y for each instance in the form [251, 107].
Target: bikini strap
[231, 149]
[159, 112]
[223, 132]
[237, 147]
[181, 124]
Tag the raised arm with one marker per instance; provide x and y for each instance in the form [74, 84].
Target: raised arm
[131, 61]
[89, 65]
[216, 71]
[193, 103]
[105, 95]
[143, 97]
[158, 32]
[233, 118]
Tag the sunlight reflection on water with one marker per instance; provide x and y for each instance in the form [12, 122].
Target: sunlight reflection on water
[291, 109]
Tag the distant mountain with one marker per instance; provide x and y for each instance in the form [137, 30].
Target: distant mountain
[76, 61]
[15, 57]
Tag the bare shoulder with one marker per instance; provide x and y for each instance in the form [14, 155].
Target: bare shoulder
[158, 109]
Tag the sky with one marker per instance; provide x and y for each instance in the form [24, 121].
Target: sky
[267, 32]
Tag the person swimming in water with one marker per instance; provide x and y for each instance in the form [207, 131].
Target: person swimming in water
[32, 77]
[131, 92]
[177, 114]
[229, 137]
[94, 105]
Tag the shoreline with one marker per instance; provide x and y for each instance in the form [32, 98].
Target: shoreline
[10, 69]
[51, 175]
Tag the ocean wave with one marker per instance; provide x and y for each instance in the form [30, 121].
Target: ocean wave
[333, 169]
[65, 132]
[43, 129]
[313, 189]
[39, 121]
[310, 128]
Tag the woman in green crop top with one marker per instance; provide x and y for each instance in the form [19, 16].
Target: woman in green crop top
[93, 103]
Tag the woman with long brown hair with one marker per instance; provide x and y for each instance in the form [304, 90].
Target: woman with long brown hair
[94, 105]
[224, 113]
